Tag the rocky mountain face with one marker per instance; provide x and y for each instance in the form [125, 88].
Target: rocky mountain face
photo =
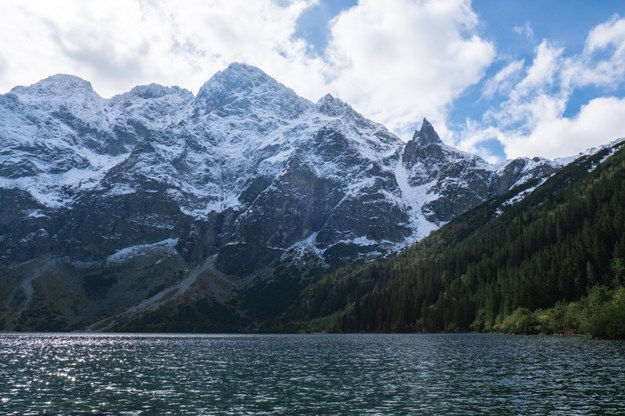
[449, 182]
[126, 206]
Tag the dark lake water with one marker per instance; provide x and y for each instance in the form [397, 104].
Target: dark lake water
[459, 374]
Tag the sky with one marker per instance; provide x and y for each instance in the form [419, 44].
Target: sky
[502, 79]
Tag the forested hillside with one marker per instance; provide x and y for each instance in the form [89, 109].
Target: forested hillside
[551, 262]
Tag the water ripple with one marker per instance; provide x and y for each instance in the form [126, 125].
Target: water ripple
[310, 375]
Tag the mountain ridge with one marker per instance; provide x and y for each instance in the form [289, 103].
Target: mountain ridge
[245, 177]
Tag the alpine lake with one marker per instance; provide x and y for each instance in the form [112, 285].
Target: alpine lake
[312, 374]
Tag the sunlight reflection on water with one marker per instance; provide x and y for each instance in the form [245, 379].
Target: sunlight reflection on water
[309, 374]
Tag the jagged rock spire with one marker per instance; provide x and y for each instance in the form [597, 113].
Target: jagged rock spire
[426, 135]
[419, 148]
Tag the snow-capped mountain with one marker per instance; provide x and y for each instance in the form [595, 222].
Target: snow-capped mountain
[246, 165]
[236, 178]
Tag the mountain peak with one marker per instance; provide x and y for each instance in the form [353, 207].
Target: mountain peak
[236, 78]
[331, 106]
[63, 80]
[427, 135]
[240, 88]
[239, 67]
[59, 85]
[61, 92]
[156, 91]
[326, 98]
[248, 74]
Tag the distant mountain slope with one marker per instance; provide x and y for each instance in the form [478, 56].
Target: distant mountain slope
[122, 205]
[531, 248]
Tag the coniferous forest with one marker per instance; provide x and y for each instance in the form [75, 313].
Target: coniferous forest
[552, 263]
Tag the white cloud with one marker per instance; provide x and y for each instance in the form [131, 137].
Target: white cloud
[474, 139]
[532, 120]
[531, 100]
[602, 62]
[117, 44]
[503, 80]
[526, 31]
[543, 71]
[398, 61]
[611, 33]
[599, 121]
[395, 61]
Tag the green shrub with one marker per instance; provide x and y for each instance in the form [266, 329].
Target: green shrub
[521, 321]
[608, 321]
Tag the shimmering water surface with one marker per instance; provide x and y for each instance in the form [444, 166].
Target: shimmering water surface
[459, 374]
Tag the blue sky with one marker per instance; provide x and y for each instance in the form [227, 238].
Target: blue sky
[499, 78]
